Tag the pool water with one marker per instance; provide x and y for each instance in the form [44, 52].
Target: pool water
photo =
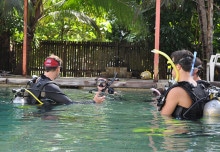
[128, 123]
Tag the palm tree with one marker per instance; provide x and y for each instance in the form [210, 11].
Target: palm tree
[118, 13]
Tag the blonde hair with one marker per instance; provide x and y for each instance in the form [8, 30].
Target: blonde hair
[58, 59]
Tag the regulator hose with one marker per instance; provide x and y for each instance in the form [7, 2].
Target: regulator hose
[34, 96]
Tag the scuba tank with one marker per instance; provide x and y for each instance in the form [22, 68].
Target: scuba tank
[20, 95]
[212, 108]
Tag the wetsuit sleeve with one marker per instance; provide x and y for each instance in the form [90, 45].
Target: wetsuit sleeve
[53, 92]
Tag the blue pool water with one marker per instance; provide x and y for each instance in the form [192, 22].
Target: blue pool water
[129, 123]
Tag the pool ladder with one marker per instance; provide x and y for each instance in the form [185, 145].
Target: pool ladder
[210, 67]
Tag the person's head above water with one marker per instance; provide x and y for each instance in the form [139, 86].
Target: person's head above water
[183, 58]
[101, 83]
[53, 66]
[52, 62]
[198, 69]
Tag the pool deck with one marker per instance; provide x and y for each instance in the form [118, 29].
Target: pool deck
[79, 82]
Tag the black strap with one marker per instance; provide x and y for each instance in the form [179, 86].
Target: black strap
[185, 85]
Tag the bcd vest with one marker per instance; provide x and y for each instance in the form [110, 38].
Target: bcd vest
[38, 90]
[199, 98]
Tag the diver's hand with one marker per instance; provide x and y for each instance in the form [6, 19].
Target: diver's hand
[98, 99]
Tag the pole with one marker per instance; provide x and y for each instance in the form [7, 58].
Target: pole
[24, 61]
[157, 41]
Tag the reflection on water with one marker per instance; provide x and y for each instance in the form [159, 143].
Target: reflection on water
[127, 123]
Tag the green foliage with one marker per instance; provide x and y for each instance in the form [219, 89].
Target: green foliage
[179, 27]
[110, 20]
[126, 19]
[11, 16]
[89, 20]
[65, 23]
[216, 34]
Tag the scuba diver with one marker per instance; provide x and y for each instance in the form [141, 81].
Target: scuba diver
[198, 69]
[197, 72]
[212, 108]
[44, 91]
[186, 98]
[103, 88]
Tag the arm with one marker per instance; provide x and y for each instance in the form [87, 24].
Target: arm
[54, 93]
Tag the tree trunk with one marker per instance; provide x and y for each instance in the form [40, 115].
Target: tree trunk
[203, 26]
[210, 29]
[32, 21]
[5, 51]
[206, 28]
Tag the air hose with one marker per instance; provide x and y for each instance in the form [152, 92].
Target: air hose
[34, 96]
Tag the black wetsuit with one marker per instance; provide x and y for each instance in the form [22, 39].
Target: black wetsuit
[198, 95]
[48, 91]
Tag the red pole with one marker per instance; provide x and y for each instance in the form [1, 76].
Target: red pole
[24, 61]
[157, 41]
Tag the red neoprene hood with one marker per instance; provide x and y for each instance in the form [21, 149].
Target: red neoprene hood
[51, 62]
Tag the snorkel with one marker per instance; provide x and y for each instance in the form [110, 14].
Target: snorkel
[109, 84]
[170, 61]
[193, 63]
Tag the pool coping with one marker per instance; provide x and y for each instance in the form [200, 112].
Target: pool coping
[89, 82]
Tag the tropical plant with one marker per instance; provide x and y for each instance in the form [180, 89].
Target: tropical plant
[10, 20]
[91, 20]
[184, 24]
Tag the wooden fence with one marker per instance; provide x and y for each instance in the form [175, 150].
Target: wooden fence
[85, 59]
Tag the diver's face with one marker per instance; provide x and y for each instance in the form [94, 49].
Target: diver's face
[58, 70]
[101, 84]
[100, 88]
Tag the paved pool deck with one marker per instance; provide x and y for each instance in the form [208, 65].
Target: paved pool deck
[83, 82]
[80, 82]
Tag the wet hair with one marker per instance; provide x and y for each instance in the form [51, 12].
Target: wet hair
[183, 58]
[198, 65]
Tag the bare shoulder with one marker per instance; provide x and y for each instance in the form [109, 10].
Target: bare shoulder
[180, 96]
[175, 96]
[177, 91]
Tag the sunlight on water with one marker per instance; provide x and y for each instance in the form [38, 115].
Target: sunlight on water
[126, 123]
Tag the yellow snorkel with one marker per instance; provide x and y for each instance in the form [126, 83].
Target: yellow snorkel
[170, 61]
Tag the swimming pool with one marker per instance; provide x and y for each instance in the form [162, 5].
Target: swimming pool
[129, 123]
